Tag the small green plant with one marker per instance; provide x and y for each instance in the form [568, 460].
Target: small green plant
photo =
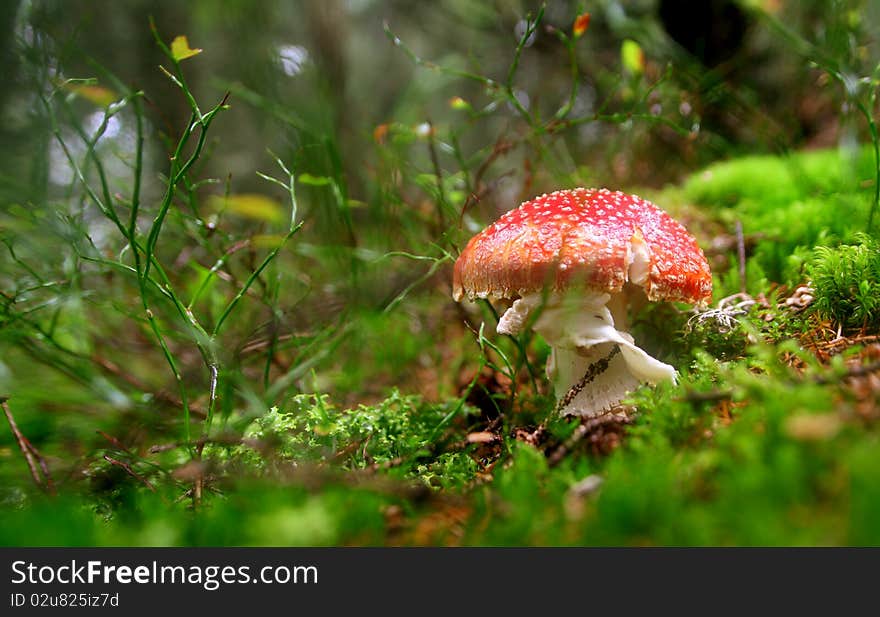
[847, 283]
[116, 234]
[399, 433]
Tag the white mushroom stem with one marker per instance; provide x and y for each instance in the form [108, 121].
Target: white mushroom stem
[585, 331]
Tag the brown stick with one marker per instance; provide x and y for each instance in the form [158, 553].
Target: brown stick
[741, 256]
[130, 471]
[586, 427]
[116, 443]
[36, 463]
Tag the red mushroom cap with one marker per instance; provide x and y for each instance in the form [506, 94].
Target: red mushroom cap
[586, 236]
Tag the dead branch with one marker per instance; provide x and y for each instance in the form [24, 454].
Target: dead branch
[127, 468]
[116, 443]
[741, 257]
[36, 463]
[587, 427]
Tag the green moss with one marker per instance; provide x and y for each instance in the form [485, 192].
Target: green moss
[402, 433]
[771, 476]
[773, 181]
[251, 512]
[789, 204]
[846, 280]
[526, 504]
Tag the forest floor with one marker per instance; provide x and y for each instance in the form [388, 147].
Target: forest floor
[769, 438]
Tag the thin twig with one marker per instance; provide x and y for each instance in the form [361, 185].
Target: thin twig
[587, 426]
[741, 256]
[116, 443]
[130, 472]
[384, 466]
[36, 463]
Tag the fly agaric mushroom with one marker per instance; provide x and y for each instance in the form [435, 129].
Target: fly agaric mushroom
[586, 256]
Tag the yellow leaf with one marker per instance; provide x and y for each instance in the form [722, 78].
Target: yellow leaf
[99, 95]
[254, 206]
[181, 50]
[457, 102]
[633, 57]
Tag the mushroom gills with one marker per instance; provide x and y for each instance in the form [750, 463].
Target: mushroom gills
[581, 331]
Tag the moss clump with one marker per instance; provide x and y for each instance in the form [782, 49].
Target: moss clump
[773, 180]
[788, 205]
[402, 434]
[847, 283]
